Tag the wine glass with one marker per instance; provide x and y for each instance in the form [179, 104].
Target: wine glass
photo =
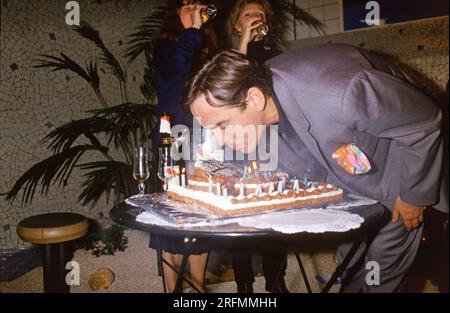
[141, 170]
[262, 30]
[165, 166]
[209, 12]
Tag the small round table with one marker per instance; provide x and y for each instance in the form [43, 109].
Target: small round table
[225, 236]
[52, 231]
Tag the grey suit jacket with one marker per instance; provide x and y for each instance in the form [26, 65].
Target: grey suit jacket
[334, 95]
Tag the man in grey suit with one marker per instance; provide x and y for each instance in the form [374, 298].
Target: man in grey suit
[325, 97]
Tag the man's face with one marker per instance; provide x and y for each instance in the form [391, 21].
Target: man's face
[234, 127]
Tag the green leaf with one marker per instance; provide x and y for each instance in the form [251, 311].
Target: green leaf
[64, 136]
[129, 120]
[142, 40]
[57, 167]
[103, 177]
[65, 63]
[88, 32]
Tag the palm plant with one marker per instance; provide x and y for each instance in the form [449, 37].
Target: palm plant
[125, 125]
[116, 128]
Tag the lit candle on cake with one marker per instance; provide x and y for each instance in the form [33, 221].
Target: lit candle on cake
[296, 186]
[225, 192]
[271, 188]
[242, 189]
[210, 185]
[183, 177]
[258, 191]
[283, 180]
[218, 191]
[255, 168]
[244, 175]
[305, 182]
[280, 186]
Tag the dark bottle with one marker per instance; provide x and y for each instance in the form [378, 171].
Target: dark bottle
[167, 144]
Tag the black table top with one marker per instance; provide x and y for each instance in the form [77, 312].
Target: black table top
[374, 215]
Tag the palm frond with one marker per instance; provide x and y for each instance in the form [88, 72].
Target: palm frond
[63, 137]
[106, 177]
[57, 167]
[148, 85]
[87, 31]
[301, 16]
[142, 40]
[129, 120]
[66, 63]
[93, 74]
[283, 13]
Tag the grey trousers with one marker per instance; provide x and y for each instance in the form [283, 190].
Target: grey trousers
[394, 249]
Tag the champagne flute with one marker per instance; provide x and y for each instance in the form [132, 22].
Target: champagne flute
[165, 166]
[141, 170]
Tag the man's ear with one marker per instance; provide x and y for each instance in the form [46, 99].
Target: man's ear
[256, 98]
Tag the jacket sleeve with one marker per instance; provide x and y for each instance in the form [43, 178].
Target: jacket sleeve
[388, 107]
[175, 57]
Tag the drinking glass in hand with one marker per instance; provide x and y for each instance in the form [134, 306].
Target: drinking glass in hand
[141, 170]
[209, 12]
[165, 166]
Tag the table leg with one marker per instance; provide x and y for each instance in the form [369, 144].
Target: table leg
[177, 271]
[341, 267]
[181, 272]
[278, 273]
[302, 270]
[161, 269]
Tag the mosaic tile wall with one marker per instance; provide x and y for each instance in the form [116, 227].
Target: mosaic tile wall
[420, 47]
[326, 11]
[34, 101]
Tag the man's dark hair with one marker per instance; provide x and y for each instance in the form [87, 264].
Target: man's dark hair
[225, 80]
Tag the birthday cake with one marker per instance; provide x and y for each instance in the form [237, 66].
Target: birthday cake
[229, 190]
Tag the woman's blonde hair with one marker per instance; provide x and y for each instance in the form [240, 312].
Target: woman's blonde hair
[235, 14]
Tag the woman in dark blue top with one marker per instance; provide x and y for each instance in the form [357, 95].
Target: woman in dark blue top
[173, 63]
[182, 42]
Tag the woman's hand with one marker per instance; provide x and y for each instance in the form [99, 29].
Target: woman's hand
[185, 16]
[190, 16]
[249, 33]
[197, 21]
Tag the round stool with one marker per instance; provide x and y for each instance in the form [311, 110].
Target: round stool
[52, 231]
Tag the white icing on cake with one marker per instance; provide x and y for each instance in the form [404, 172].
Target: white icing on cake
[227, 205]
[251, 185]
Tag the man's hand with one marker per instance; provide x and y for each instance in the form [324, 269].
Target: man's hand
[412, 215]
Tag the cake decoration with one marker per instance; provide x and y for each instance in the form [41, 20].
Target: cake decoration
[229, 190]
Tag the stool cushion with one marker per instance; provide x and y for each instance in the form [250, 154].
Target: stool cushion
[52, 228]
